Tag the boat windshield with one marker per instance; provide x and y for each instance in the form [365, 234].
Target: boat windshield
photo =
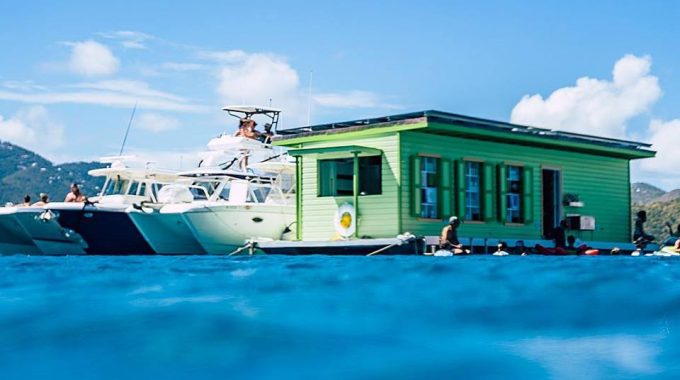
[208, 186]
[258, 193]
[199, 193]
[115, 186]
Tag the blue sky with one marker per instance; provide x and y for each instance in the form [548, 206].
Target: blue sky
[70, 73]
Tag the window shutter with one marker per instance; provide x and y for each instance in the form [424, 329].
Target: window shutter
[528, 195]
[502, 193]
[488, 205]
[445, 193]
[460, 187]
[416, 186]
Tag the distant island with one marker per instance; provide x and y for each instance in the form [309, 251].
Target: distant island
[661, 207]
[24, 172]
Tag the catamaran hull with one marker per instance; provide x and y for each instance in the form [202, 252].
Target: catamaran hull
[167, 233]
[29, 231]
[222, 229]
[106, 231]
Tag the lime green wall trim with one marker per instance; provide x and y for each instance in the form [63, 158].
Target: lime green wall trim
[348, 133]
[355, 192]
[397, 176]
[298, 198]
[461, 131]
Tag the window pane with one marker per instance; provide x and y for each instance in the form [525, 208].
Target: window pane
[472, 193]
[513, 199]
[336, 176]
[429, 186]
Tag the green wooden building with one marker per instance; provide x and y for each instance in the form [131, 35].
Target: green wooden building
[410, 172]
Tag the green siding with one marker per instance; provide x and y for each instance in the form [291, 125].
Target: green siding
[602, 183]
[378, 214]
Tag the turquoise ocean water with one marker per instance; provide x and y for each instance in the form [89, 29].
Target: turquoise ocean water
[323, 317]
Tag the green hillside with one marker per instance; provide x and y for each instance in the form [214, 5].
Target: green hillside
[24, 172]
[662, 207]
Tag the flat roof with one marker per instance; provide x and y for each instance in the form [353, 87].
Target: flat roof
[474, 123]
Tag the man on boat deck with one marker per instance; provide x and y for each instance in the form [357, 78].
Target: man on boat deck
[27, 201]
[42, 202]
[449, 238]
[247, 129]
[75, 195]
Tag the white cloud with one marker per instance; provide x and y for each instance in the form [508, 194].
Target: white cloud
[257, 78]
[229, 56]
[90, 58]
[156, 123]
[32, 128]
[182, 66]
[110, 93]
[128, 38]
[595, 106]
[665, 139]
[24, 86]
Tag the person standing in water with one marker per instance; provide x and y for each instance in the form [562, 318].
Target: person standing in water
[75, 195]
[449, 238]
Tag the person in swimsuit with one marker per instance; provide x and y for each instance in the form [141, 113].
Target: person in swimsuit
[75, 195]
[449, 238]
[42, 202]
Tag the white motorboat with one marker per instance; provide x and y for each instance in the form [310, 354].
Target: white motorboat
[248, 194]
[240, 207]
[35, 231]
[103, 221]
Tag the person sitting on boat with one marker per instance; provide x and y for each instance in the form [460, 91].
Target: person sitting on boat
[502, 249]
[266, 136]
[247, 129]
[27, 200]
[559, 234]
[641, 238]
[75, 195]
[43, 200]
[449, 238]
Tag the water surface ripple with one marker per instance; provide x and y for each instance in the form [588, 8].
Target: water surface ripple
[339, 317]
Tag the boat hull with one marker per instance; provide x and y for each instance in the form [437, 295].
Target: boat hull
[166, 232]
[28, 231]
[106, 230]
[220, 229]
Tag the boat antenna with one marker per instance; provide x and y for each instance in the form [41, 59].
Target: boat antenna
[309, 99]
[127, 131]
